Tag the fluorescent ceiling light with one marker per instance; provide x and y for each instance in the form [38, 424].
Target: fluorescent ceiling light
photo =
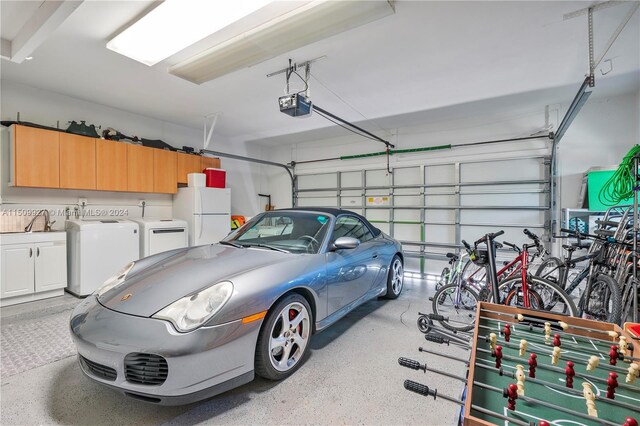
[176, 24]
[307, 24]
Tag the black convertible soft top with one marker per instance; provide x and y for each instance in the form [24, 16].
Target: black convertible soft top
[337, 212]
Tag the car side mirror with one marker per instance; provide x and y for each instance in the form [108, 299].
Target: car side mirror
[347, 243]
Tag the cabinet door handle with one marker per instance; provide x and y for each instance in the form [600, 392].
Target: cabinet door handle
[30, 252]
[38, 252]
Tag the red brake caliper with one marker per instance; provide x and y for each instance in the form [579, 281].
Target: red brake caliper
[292, 315]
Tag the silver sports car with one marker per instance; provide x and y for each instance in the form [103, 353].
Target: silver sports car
[187, 324]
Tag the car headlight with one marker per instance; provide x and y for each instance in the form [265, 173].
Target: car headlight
[192, 311]
[115, 280]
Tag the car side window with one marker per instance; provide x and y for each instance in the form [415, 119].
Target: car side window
[351, 226]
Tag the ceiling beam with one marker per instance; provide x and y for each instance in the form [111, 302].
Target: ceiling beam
[39, 27]
[5, 49]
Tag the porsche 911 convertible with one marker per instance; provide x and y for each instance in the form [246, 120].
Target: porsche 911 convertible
[187, 324]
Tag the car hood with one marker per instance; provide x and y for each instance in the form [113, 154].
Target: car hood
[160, 280]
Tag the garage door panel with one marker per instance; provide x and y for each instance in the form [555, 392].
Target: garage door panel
[514, 217]
[502, 170]
[384, 227]
[412, 264]
[318, 181]
[351, 179]
[440, 233]
[378, 214]
[448, 216]
[318, 202]
[518, 200]
[408, 232]
[407, 200]
[377, 178]
[444, 173]
[348, 202]
[440, 200]
[407, 215]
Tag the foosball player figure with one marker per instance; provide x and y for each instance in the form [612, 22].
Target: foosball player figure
[543, 423]
[533, 363]
[555, 355]
[556, 340]
[523, 347]
[498, 355]
[511, 393]
[613, 355]
[630, 421]
[593, 363]
[547, 331]
[520, 377]
[612, 384]
[632, 374]
[590, 399]
[493, 338]
[507, 332]
[622, 345]
[569, 371]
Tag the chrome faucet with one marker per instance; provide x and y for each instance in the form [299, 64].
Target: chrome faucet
[47, 222]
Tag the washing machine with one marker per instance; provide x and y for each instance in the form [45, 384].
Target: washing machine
[158, 235]
[97, 249]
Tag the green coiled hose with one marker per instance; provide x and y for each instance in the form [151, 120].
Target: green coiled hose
[620, 186]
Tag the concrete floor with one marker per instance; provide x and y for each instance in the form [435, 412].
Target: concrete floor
[351, 377]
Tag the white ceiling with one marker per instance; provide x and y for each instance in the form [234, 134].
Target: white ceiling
[427, 56]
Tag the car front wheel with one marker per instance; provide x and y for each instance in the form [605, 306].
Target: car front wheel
[284, 338]
[395, 278]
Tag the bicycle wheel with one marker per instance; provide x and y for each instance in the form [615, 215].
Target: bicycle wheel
[577, 280]
[461, 313]
[515, 297]
[549, 294]
[550, 269]
[603, 301]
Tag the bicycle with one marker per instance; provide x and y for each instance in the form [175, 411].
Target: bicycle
[454, 299]
[474, 273]
[522, 290]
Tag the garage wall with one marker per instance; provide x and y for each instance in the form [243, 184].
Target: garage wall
[603, 132]
[44, 107]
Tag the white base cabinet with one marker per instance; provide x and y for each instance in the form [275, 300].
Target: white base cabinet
[33, 266]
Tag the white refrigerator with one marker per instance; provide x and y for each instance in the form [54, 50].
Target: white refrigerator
[207, 211]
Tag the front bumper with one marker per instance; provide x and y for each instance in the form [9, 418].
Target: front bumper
[201, 363]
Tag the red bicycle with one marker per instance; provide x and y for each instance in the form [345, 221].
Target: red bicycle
[517, 287]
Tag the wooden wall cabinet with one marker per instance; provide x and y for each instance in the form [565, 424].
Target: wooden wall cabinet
[188, 163]
[165, 171]
[111, 166]
[78, 162]
[210, 162]
[36, 157]
[139, 168]
[44, 158]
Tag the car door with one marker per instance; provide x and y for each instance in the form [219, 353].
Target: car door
[351, 273]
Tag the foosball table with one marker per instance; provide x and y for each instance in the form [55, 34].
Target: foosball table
[537, 368]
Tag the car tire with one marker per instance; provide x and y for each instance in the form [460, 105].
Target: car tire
[395, 278]
[282, 346]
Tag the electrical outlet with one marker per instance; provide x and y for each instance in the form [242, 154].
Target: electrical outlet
[82, 202]
[142, 203]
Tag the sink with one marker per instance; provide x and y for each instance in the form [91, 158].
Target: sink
[31, 237]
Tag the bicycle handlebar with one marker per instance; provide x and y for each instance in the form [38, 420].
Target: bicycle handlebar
[490, 236]
[531, 235]
[513, 246]
[466, 245]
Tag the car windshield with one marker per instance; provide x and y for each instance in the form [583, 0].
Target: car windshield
[293, 232]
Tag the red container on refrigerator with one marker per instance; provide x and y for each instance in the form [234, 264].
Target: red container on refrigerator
[216, 178]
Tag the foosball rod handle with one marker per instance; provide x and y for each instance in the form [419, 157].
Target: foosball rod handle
[420, 388]
[412, 364]
[437, 339]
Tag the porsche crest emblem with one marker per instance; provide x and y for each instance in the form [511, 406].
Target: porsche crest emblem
[126, 297]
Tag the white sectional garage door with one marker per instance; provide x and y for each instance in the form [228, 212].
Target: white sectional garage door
[432, 207]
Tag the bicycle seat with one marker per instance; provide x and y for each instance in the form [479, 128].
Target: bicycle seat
[570, 247]
[453, 256]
